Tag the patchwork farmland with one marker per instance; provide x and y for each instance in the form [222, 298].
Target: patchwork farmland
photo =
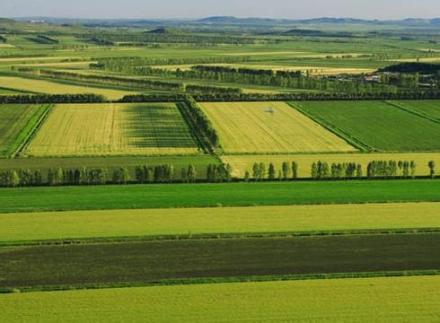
[268, 127]
[113, 129]
[219, 169]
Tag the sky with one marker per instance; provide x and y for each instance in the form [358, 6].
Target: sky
[296, 9]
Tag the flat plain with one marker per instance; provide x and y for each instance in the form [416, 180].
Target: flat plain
[429, 108]
[216, 195]
[269, 127]
[113, 129]
[16, 124]
[50, 87]
[28, 227]
[376, 125]
[392, 299]
[149, 262]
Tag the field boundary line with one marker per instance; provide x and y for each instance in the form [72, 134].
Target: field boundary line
[195, 132]
[336, 131]
[401, 107]
[34, 130]
[226, 280]
[220, 236]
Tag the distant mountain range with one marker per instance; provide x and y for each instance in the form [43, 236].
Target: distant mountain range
[229, 20]
[324, 20]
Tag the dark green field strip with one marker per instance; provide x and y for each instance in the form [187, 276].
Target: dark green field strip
[154, 261]
[206, 195]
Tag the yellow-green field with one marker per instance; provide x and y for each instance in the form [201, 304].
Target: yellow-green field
[265, 219]
[269, 127]
[392, 299]
[243, 163]
[113, 129]
[47, 87]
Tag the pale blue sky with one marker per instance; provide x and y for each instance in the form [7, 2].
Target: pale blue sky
[381, 9]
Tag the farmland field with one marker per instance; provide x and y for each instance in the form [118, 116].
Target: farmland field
[145, 262]
[269, 127]
[231, 170]
[49, 87]
[376, 125]
[167, 222]
[16, 124]
[113, 129]
[216, 195]
[243, 163]
[393, 299]
[429, 108]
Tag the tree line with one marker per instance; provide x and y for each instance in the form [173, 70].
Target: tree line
[113, 80]
[214, 173]
[215, 90]
[51, 98]
[143, 174]
[195, 115]
[285, 79]
[112, 39]
[133, 65]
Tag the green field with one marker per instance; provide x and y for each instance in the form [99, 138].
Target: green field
[17, 122]
[113, 129]
[393, 299]
[212, 195]
[146, 262]
[429, 108]
[29, 227]
[375, 125]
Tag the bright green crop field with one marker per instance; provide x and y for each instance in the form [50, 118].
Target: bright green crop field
[429, 108]
[212, 195]
[28, 227]
[392, 299]
[16, 124]
[375, 125]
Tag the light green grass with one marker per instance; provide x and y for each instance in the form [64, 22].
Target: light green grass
[271, 219]
[401, 299]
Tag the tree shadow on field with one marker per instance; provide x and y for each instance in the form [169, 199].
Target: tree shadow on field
[156, 126]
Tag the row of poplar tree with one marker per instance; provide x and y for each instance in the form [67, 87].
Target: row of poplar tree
[214, 173]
